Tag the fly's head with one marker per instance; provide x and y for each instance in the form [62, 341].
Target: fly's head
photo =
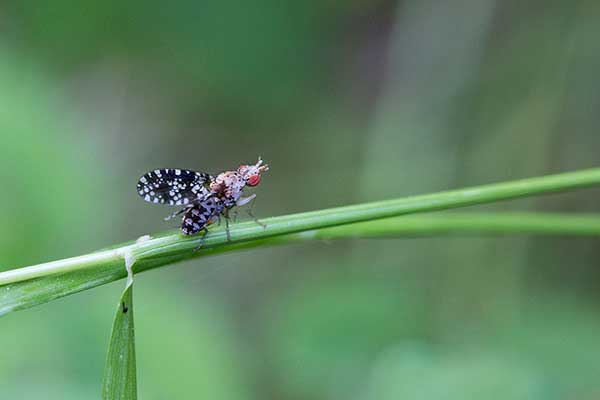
[229, 185]
[251, 173]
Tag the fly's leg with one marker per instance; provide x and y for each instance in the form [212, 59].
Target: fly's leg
[249, 211]
[202, 239]
[235, 215]
[250, 199]
[242, 201]
[177, 213]
[226, 215]
[259, 222]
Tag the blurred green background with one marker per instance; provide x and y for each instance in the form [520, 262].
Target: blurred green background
[348, 102]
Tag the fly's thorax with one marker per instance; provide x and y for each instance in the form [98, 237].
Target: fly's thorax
[228, 186]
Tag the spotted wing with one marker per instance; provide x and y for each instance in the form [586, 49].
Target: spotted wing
[198, 216]
[173, 186]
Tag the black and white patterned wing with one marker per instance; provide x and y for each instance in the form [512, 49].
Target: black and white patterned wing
[173, 186]
[198, 216]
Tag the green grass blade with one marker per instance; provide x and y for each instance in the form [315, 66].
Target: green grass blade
[109, 267]
[120, 372]
[26, 287]
[472, 223]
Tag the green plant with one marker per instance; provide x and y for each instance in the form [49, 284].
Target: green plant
[26, 287]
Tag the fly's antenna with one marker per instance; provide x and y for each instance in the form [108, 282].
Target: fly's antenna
[261, 168]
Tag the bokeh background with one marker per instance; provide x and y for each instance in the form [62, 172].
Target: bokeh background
[348, 101]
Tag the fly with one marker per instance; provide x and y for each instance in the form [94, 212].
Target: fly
[205, 197]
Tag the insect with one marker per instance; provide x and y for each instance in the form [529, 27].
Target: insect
[205, 197]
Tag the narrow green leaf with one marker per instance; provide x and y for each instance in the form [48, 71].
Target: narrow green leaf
[109, 268]
[120, 373]
[25, 287]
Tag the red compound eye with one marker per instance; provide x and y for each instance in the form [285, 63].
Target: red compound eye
[253, 180]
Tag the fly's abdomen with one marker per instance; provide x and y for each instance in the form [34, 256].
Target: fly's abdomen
[197, 217]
